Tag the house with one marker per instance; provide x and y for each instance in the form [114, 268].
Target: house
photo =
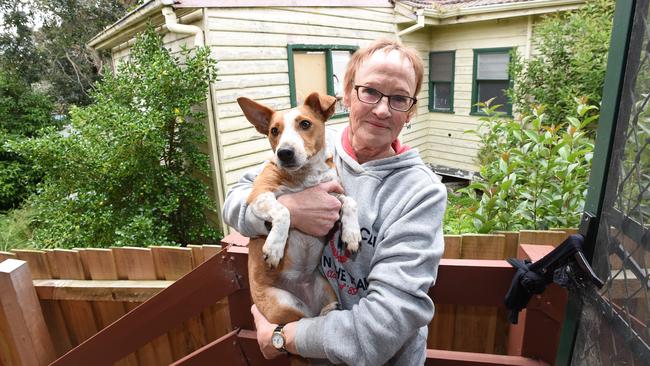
[275, 51]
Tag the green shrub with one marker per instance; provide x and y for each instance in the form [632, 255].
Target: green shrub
[570, 60]
[23, 112]
[458, 218]
[125, 170]
[534, 173]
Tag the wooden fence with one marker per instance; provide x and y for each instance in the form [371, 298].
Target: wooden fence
[82, 291]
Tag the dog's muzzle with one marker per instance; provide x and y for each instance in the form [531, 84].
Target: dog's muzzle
[286, 157]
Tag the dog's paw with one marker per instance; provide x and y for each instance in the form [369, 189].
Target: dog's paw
[351, 239]
[273, 249]
[272, 255]
[329, 307]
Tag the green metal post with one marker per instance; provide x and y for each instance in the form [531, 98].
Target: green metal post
[614, 77]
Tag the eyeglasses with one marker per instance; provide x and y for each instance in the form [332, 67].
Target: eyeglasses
[369, 95]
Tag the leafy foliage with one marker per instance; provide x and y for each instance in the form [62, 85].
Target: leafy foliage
[69, 67]
[15, 228]
[458, 218]
[22, 113]
[125, 170]
[534, 173]
[44, 42]
[570, 61]
[19, 54]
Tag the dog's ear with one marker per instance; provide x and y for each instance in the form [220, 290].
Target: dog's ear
[257, 114]
[321, 103]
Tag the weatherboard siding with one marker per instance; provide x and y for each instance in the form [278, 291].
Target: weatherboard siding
[250, 46]
[449, 144]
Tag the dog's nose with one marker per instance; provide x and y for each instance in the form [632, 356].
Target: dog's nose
[285, 155]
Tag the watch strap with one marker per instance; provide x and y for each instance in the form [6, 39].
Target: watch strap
[280, 330]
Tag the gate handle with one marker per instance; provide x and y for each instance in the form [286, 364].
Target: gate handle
[532, 278]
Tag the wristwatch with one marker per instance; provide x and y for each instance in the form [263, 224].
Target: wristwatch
[278, 340]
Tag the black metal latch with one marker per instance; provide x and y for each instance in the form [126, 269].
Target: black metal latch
[557, 266]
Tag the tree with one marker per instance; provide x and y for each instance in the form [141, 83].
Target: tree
[18, 54]
[23, 112]
[124, 172]
[69, 67]
[44, 42]
[570, 62]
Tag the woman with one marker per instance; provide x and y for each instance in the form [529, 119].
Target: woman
[382, 288]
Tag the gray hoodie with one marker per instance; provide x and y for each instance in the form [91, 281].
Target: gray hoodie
[382, 288]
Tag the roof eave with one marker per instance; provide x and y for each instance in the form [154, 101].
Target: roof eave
[103, 40]
[478, 13]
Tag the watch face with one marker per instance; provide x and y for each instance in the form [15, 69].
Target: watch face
[277, 340]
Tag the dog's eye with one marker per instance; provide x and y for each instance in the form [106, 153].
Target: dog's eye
[304, 124]
[274, 131]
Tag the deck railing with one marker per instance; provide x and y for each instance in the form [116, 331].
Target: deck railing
[470, 291]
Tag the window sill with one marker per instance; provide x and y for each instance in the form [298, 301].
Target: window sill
[340, 115]
[442, 111]
[481, 114]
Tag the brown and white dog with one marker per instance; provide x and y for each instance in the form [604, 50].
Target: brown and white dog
[285, 281]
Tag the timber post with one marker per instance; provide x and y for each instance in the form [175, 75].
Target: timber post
[24, 338]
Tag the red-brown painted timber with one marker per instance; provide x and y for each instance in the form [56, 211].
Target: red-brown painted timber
[209, 282]
[453, 358]
[240, 301]
[472, 282]
[544, 315]
[223, 351]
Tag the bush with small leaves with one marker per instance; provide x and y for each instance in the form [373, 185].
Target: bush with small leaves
[126, 169]
[534, 173]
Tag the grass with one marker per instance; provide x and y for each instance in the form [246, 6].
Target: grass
[15, 229]
[457, 217]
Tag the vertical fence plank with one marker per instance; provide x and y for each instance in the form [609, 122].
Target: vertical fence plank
[6, 255]
[100, 265]
[197, 254]
[137, 264]
[216, 318]
[173, 263]
[37, 261]
[51, 263]
[542, 237]
[79, 315]
[220, 310]
[478, 323]
[503, 326]
[441, 328]
[207, 317]
[24, 338]
[511, 244]
[567, 230]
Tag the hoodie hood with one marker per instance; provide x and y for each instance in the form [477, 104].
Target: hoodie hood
[406, 157]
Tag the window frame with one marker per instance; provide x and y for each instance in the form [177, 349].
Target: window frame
[432, 83]
[475, 111]
[329, 72]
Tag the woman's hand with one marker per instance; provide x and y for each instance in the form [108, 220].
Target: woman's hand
[264, 334]
[314, 211]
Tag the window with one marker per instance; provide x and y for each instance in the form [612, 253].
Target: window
[318, 68]
[441, 81]
[491, 78]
